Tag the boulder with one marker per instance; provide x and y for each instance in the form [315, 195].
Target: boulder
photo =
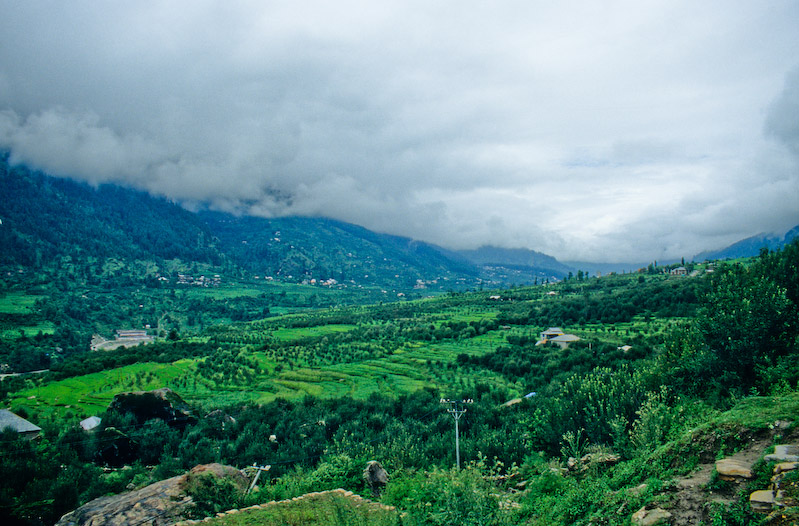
[375, 476]
[732, 470]
[115, 448]
[161, 504]
[163, 404]
[602, 459]
[645, 517]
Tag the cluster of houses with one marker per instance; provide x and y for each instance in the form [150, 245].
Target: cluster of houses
[29, 430]
[201, 281]
[423, 284]
[126, 338]
[323, 282]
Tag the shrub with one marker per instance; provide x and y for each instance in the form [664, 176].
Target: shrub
[445, 497]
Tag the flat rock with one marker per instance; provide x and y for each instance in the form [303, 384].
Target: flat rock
[782, 467]
[762, 501]
[784, 453]
[729, 469]
[645, 517]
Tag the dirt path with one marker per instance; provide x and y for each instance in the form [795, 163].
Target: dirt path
[691, 499]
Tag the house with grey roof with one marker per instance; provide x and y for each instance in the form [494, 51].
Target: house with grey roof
[90, 423]
[557, 336]
[9, 420]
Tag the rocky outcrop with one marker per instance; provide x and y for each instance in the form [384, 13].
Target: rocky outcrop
[163, 404]
[582, 464]
[161, 504]
[375, 477]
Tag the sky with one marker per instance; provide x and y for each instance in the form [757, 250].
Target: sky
[594, 131]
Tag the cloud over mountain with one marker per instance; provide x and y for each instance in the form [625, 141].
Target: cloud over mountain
[581, 130]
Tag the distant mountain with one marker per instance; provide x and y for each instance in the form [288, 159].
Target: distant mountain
[299, 248]
[519, 261]
[44, 218]
[751, 246]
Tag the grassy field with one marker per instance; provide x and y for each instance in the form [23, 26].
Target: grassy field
[44, 327]
[20, 303]
[17, 302]
[415, 366]
[90, 394]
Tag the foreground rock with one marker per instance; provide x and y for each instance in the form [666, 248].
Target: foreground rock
[161, 504]
[784, 453]
[732, 470]
[645, 517]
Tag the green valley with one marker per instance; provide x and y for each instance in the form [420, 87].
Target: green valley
[582, 400]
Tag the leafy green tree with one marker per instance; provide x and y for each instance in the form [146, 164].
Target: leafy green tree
[744, 325]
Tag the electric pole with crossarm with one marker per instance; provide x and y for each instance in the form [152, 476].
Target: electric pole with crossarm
[457, 412]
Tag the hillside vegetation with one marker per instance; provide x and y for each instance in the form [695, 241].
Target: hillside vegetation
[316, 394]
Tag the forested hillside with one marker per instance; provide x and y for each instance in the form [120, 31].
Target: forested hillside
[44, 218]
[751, 246]
[296, 249]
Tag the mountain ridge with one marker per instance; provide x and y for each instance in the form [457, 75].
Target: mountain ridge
[50, 217]
[750, 246]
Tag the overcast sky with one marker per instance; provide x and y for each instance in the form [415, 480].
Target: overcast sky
[602, 131]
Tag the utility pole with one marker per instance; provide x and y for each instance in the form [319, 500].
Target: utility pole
[457, 412]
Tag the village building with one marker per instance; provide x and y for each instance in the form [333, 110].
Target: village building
[564, 340]
[90, 423]
[9, 420]
[552, 332]
[679, 271]
[557, 336]
[124, 337]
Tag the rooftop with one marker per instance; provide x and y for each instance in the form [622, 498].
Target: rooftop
[17, 423]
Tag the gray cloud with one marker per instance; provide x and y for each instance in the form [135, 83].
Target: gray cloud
[604, 132]
[782, 122]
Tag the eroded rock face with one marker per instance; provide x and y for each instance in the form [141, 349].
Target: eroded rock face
[161, 504]
[163, 404]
